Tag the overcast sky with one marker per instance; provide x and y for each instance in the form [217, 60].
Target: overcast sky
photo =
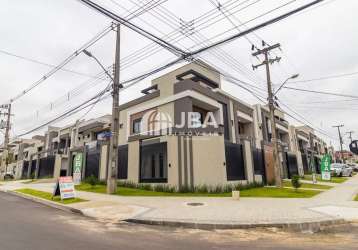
[317, 43]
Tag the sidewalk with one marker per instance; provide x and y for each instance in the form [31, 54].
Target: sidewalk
[329, 207]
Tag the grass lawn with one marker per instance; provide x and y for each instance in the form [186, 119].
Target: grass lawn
[307, 185]
[254, 192]
[47, 196]
[333, 179]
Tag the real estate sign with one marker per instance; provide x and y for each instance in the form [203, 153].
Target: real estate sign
[77, 168]
[326, 168]
[65, 188]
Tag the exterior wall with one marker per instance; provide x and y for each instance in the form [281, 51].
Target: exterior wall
[103, 162]
[173, 160]
[165, 82]
[249, 162]
[58, 165]
[133, 161]
[209, 160]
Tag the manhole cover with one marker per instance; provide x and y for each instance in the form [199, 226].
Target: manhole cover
[195, 204]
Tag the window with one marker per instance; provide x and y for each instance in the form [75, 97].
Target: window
[136, 129]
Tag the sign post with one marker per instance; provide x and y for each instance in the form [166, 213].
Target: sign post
[65, 188]
[77, 168]
[326, 168]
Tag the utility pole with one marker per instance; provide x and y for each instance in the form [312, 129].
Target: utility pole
[311, 161]
[112, 166]
[271, 103]
[350, 135]
[113, 151]
[340, 140]
[7, 130]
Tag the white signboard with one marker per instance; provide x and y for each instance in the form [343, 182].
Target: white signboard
[65, 188]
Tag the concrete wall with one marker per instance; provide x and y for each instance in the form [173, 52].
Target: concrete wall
[103, 162]
[133, 161]
[209, 160]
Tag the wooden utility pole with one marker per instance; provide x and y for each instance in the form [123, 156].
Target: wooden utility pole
[350, 135]
[271, 103]
[113, 163]
[7, 130]
[340, 140]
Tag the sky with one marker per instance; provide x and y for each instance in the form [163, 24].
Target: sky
[316, 43]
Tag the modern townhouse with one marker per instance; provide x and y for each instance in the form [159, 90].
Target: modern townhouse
[15, 160]
[263, 137]
[186, 131]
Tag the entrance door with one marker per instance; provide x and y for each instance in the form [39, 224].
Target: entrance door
[153, 163]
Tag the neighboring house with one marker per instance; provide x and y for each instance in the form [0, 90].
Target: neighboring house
[162, 138]
[263, 137]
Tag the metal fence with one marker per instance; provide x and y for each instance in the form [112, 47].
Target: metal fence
[46, 167]
[235, 165]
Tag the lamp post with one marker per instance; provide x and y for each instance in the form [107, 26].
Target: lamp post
[283, 84]
[113, 152]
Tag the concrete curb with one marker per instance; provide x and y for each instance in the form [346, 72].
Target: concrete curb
[313, 226]
[45, 202]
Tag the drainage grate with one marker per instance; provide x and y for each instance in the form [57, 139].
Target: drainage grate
[195, 204]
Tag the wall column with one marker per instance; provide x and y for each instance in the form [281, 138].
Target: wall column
[249, 162]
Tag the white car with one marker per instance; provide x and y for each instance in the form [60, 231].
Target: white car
[354, 166]
[340, 169]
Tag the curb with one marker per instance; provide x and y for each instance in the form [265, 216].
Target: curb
[313, 226]
[45, 202]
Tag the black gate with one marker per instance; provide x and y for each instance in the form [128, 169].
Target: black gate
[259, 161]
[33, 169]
[46, 167]
[92, 163]
[235, 166]
[317, 162]
[305, 164]
[291, 162]
[123, 162]
[25, 169]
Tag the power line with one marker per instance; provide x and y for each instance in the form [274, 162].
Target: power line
[257, 27]
[44, 64]
[321, 92]
[62, 64]
[138, 78]
[326, 77]
[170, 47]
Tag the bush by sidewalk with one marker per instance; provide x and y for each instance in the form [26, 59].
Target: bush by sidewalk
[130, 189]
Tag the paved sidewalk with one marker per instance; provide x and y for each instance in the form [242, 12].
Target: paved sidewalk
[332, 205]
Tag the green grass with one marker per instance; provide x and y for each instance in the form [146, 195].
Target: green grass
[253, 192]
[47, 196]
[356, 198]
[307, 185]
[272, 192]
[333, 179]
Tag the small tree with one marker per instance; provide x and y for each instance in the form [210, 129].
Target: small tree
[296, 183]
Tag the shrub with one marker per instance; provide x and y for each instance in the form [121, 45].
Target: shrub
[92, 180]
[295, 181]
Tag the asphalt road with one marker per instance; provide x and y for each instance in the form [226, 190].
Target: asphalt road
[26, 225]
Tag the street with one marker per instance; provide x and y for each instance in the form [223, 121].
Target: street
[29, 225]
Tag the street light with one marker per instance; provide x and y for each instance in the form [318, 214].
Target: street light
[89, 54]
[116, 86]
[283, 84]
